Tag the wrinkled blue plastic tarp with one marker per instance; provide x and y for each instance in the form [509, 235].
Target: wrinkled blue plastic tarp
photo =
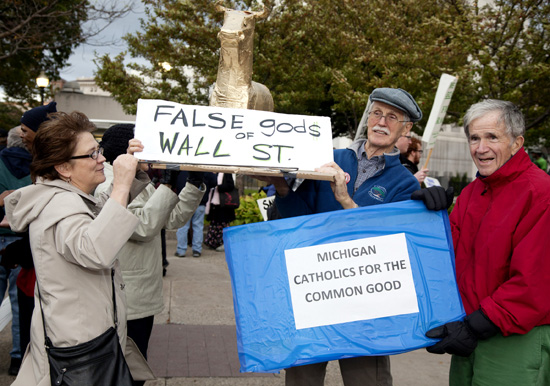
[266, 335]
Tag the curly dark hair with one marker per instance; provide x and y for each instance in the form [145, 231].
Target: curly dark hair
[56, 141]
[413, 146]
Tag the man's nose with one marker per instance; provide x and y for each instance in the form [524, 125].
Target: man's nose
[482, 147]
[384, 119]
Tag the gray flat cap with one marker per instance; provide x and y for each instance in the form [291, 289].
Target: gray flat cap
[399, 98]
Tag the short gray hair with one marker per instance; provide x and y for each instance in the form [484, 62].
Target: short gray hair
[510, 115]
[14, 138]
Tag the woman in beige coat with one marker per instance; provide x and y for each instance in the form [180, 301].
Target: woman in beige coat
[74, 238]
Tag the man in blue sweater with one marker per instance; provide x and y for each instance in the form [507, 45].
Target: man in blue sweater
[368, 172]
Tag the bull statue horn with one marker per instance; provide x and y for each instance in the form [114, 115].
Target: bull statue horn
[220, 7]
[268, 5]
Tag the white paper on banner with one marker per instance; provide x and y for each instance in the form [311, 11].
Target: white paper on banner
[349, 281]
[445, 89]
[264, 204]
[430, 181]
[206, 135]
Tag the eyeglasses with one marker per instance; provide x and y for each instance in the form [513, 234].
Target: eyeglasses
[390, 118]
[419, 151]
[93, 156]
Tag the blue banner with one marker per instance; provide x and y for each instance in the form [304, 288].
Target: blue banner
[365, 281]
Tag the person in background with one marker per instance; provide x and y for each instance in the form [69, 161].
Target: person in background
[500, 228]
[169, 179]
[411, 159]
[15, 162]
[293, 183]
[403, 143]
[140, 257]
[31, 121]
[74, 239]
[368, 172]
[196, 223]
[539, 160]
[269, 190]
[3, 139]
[219, 216]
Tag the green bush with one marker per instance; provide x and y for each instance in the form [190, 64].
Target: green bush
[248, 211]
[459, 182]
[451, 208]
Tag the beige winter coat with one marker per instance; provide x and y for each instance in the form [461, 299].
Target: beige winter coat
[74, 247]
[141, 257]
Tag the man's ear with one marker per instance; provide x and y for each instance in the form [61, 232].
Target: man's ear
[407, 128]
[64, 170]
[517, 144]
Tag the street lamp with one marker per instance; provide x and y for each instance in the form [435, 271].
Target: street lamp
[164, 68]
[42, 82]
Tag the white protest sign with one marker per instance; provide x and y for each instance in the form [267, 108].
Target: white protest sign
[264, 204]
[206, 135]
[349, 281]
[447, 85]
[430, 181]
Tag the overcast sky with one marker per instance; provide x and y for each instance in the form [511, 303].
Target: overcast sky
[81, 63]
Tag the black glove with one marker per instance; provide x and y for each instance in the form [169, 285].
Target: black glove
[460, 338]
[195, 178]
[435, 197]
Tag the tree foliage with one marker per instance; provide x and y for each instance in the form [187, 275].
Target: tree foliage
[10, 116]
[512, 60]
[324, 57]
[38, 35]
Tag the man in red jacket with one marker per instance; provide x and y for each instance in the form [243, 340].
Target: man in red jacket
[500, 226]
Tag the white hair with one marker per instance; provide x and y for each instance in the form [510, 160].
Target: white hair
[510, 115]
[14, 137]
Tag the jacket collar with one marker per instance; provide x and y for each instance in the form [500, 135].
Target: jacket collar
[59, 183]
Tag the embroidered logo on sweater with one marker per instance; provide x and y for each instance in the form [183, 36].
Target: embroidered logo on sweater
[378, 193]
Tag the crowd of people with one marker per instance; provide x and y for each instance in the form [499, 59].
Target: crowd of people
[82, 238]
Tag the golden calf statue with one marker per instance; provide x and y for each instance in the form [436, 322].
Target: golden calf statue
[234, 87]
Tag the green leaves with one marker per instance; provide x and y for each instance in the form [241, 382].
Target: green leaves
[324, 57]
[41, 35]
[248, 211]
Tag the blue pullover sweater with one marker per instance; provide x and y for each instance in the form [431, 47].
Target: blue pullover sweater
[391, 184]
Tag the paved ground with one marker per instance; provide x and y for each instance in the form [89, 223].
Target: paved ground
[194, 339]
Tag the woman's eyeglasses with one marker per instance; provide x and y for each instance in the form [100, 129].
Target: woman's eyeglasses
[93, 156]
